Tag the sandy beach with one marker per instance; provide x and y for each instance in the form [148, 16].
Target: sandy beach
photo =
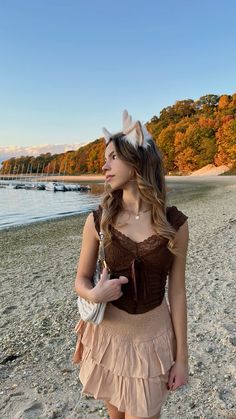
[38, 315]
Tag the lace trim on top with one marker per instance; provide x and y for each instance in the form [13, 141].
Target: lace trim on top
[143, 247]
[175, 217]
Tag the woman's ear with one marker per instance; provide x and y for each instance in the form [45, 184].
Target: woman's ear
[132, 174]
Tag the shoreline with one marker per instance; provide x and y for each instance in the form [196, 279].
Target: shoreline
[39, 313]
[53, 219]
[204, 179]
[101, 178]
[186, 187]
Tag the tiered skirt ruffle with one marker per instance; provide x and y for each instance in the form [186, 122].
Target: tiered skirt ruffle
[126, 359]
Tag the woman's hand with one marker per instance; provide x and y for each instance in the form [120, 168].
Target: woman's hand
[107, 290]
[178, 375]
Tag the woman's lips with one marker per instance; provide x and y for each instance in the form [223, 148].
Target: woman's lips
[108, 178]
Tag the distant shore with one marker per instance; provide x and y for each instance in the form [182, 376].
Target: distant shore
[101, 178]
[59, 178]
[210, 170]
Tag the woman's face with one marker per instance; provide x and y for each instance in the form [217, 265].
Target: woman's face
[118, 173]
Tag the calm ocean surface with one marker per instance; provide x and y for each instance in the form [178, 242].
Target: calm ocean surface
[19, 206]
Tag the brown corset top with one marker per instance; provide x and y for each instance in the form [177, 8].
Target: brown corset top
[146, 264]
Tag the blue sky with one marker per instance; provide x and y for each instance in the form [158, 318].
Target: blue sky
[70, 67]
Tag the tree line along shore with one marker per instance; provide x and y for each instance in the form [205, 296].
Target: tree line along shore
[190, 134]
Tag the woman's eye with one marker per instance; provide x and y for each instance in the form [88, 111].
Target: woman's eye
[114, 156]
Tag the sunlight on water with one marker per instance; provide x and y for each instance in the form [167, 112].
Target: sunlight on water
[18, 206]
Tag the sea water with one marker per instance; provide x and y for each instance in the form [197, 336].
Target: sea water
[20, 206]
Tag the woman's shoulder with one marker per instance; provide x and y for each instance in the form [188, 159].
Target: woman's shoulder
[95, 217]
[175, 217]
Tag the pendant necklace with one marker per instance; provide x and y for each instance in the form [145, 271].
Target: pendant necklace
[137, 216]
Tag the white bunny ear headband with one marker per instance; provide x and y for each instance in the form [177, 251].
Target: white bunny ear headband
[135, 133]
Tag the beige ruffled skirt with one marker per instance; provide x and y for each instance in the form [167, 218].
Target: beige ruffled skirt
[126, 359]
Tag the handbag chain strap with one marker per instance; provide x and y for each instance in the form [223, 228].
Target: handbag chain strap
[101, 251]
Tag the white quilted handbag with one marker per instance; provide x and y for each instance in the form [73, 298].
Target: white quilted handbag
[94, 312]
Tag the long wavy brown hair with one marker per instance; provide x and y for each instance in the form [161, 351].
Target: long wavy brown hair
[150, 177]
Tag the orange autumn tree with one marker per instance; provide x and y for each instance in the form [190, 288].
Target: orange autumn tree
[165, 143]
[226, 143]
[195, 147]
[186, 160]
[190, 134]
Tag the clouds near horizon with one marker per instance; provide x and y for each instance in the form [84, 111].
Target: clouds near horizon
[18, 151]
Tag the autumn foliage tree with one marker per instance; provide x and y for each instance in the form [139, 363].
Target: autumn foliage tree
[190, 134]
[226, 143]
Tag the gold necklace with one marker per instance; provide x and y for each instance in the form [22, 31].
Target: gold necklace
[137, 216]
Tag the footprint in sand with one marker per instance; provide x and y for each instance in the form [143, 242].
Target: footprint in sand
[31, 410]
[8, 309]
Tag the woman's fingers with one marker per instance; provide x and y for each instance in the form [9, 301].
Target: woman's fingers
[178, 375]
[105, 275]
[123, 280]
[171, 379]
[175, 381]
[178, 383]
[109, 290]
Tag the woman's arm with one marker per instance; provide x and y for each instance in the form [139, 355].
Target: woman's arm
[105, 290]
[177, 299]
[87, 259]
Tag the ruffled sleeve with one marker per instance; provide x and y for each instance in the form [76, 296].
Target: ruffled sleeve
[176, 217]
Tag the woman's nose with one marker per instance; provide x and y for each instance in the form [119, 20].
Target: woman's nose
[106, 166]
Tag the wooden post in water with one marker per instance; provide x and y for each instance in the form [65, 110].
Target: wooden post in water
[22, 170]
[42, 173]
[48, 171]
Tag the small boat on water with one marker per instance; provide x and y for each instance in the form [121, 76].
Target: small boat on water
[13, 186]
[70, 187]
[34, 185]
[40, 186]
[50, 186]
[55, 186]
[77, 188]
[20, 186]
[28, 185]
[85, 188]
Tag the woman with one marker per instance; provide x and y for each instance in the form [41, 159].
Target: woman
[139, 351]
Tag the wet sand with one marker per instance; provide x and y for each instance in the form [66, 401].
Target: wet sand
[38, 315]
